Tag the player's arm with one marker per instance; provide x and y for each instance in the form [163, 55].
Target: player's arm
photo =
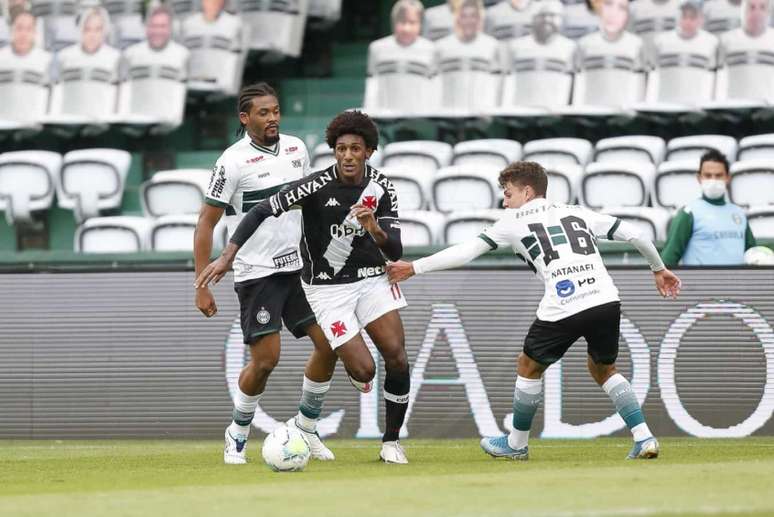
[449, 258]
[209, 215]
[680, 231]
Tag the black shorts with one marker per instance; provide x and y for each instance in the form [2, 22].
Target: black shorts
[264, 303]
[548, 341]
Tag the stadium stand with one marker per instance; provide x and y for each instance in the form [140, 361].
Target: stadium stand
[692, 147]
[641, 148]
[275, 26]
[175, 192]
[462, 187]
[651, 17]
[27, 183]
[653, 222]
[126, 17]
[413, 187]
[421, 227]
[752, 183]
[563, 183]
[487, 152]
[418, 155]
[510, 19]
[558, 152]
[59, 22]
[616, 183]
[757, 147]
[722, 15]
[761, 221]
[467, 224]
[119, 234]
[578, 19]
[439, 20]
[675, 184]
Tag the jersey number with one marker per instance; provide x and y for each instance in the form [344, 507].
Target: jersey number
[573, 230]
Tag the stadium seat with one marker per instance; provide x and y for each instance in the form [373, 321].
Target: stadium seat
[27, 183]
[752, 183]
[563, 183]
[649, 17]
[721, 16]
[438, 22]
[468, 224]
[92, 180]
[653, 222]
[327, 10]
[648, 149]
[4, 33]
[275, 26]
[488, 152]
[614, 184]
[126, 22]
[421, 228]
[461, 187]
[557, 152]
[692, 147]
[676, 184]
[217, 53]
[745, 70]
[420, 155]
[756, 147]
[174, 192]
[59, 22]
[120, 234]
[174, 233]
[578, 20]
[322, 157]
[413, 187]
[761, 220]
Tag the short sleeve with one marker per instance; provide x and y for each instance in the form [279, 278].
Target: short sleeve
[601, 225]
[498, 234]
[224, 181]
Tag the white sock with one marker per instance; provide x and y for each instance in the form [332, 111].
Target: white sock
[244, 407]
[312, 397]
[519, 439]
[641, 432]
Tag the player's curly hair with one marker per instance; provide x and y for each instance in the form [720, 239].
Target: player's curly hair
[523, 174]
[352, 123]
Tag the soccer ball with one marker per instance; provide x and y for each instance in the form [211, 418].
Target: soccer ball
[759, 256]
[286, 450]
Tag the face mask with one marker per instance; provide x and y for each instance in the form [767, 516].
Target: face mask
[713, 189]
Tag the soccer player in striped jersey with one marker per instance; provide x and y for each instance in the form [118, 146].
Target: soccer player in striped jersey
[266, 270]
[350, 230]
[559, 243]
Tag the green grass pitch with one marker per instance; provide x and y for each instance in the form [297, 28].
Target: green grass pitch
[445, 478]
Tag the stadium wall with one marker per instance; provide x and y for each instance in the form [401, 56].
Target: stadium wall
[126, 354]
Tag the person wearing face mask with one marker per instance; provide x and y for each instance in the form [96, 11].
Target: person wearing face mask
[510, 19]
[439, 20]
[745, 56]
[709, 231]
[88, 71]
[542, 64]
[684, 60]
[401, 66]
[469, 62]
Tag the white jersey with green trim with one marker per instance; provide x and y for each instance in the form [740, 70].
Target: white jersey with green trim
[559, 243]
[247, 173]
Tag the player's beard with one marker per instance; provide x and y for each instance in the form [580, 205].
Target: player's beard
[271, 139]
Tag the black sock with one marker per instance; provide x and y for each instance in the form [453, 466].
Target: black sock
[396, 397]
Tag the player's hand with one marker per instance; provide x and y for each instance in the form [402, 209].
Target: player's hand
[365, 216]
[213, 272]
[668, 283]
[399, 271]
[205, 302]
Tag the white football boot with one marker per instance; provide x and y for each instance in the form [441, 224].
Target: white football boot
[393, 452]
[318, 449]
[235, 449]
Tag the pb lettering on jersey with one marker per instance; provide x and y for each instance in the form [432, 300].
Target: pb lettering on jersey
[559, 243]
[246, 174]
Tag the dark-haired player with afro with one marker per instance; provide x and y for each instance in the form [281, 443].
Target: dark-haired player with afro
[266, 270]
[350, 230]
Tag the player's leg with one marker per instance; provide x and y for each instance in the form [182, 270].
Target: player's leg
[300, 320]
[377, 311]
[546, 343]
[602, 337]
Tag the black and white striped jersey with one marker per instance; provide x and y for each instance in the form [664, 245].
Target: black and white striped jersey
[335, 248]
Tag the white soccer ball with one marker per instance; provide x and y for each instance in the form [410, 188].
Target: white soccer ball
[759, 256]
[286, 450]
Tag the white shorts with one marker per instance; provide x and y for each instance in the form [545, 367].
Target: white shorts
[342, 310]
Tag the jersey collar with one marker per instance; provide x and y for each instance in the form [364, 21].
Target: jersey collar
[538, 201]
[272, 150]
[717, 202]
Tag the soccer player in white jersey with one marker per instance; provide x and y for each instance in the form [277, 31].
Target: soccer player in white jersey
[401, 66]
[439, 20]
[559, 243]
[24, 72]
[266, 270]
[686, 59]
[747, 54]
[92, 65]
[510, 19]
[469, 62]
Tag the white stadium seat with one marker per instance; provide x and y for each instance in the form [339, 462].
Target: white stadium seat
[487, 152]
[563, 183]
[421, 227]
[463, 188]
[328, 10]
[756, 147]
[578, 19]
[422, 155]
[676, 184]
[121, 234]
[177, 192]
[614, 184]
[557, 152]
[59, 21]
[653, 222]
[275, 26]
[92, 180]
[217, 53]
[692, 147]
[761, 220]
[752, 183]
[412, 186]
[648, 149]
[126, 21]
[27, 183]
[468, 224]
[322, 157]
[174, 233]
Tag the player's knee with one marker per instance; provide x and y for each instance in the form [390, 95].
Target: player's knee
[528, 367]
[265, 365]
[362, 372]
[398, 362]
[601, 372]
